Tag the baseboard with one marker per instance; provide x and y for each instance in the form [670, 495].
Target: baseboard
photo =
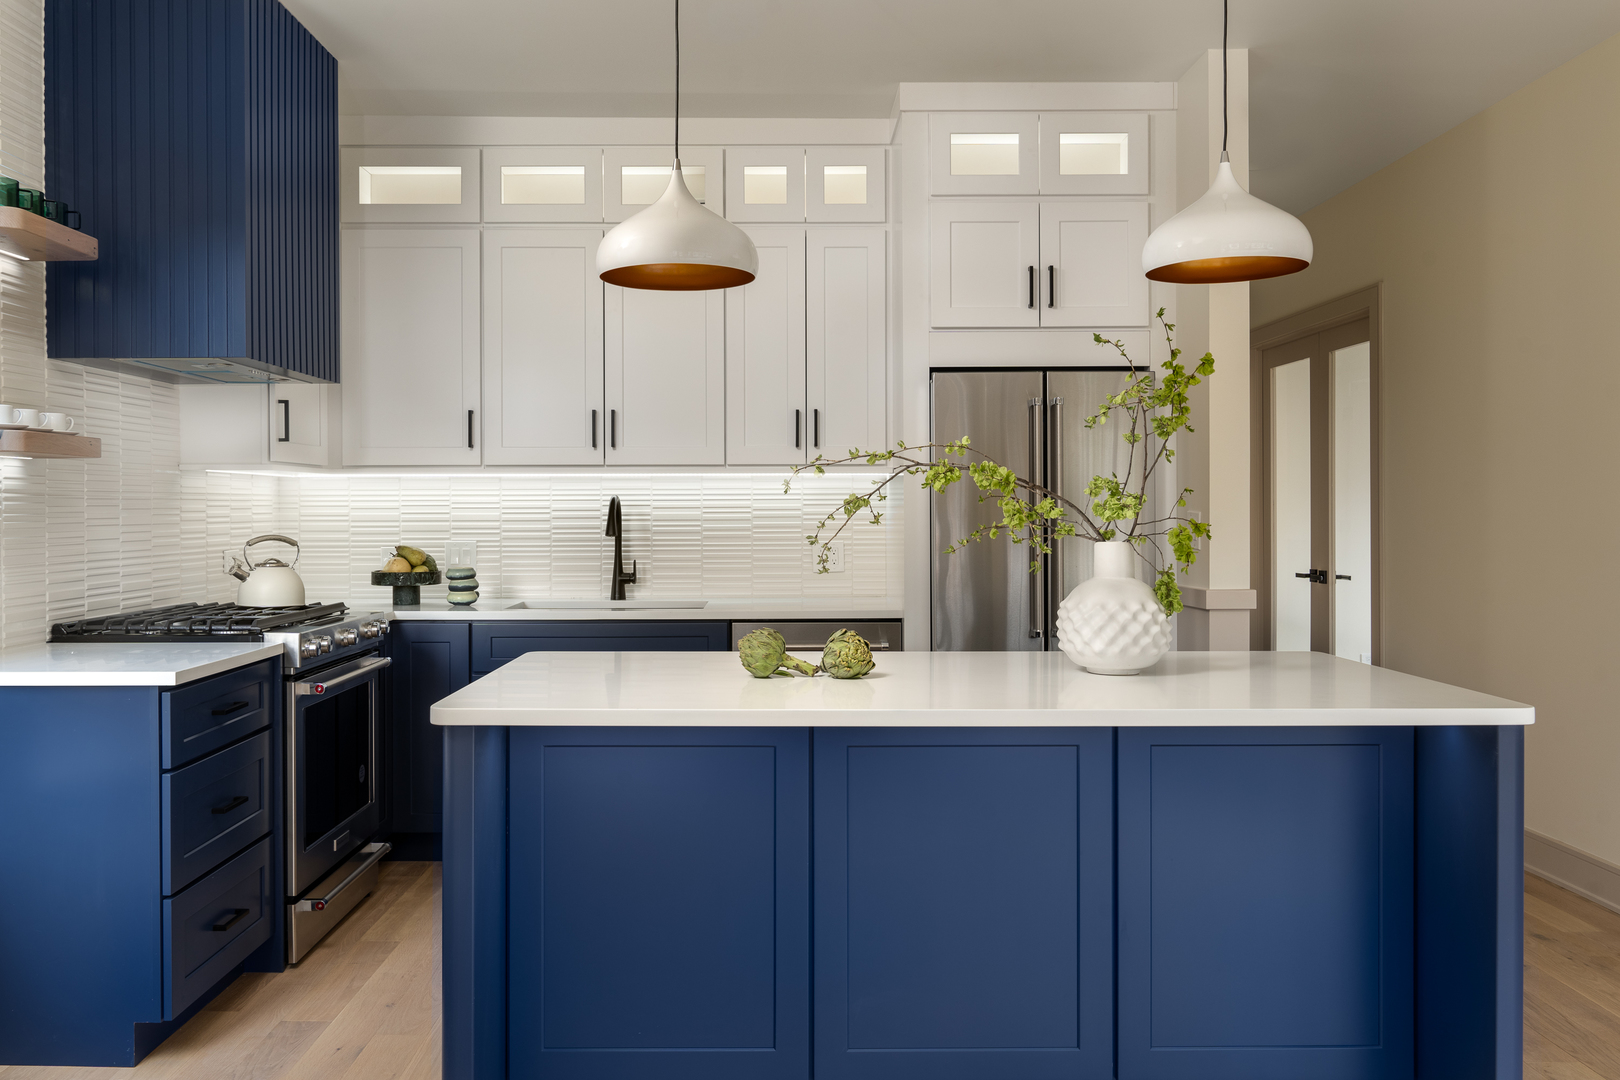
[1571, 868]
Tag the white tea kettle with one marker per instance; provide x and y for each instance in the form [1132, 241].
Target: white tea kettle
[271, 583]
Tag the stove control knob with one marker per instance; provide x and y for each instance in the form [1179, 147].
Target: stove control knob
[308, 647]
[346, 635]
[369, 629]
[326, 642]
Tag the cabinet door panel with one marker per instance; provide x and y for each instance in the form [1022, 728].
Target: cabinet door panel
[415, 184]
[1265, 891]
[847, 328]
[846, 183]
[1091, 264]
[982, 263]
[983, 153]
[765, 408]
[551, 183]
[410, 346]
[765, 183]
[666, 392]
[303, 423]
[1099, 153]
[431, 661]
[963, 903]
[659, 881]
[634, 178]
[542, 348]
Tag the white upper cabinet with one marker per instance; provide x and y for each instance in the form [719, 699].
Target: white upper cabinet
[543, 184]
[542, 347]
[413, 185]
[410, 346]
[1091, 259]
[765, 407]
[983, 258]
[305, 427]
[847, 324]
[846, 183]
[635, 177]
[765, 183]
[666, 392]
[984, 153]
[1094, 153]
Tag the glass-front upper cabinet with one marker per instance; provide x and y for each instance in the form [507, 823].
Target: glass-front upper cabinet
[1094, 153]
[984, 153]
[635, 177]
[409, 185]
[845, 183]
[765, 183]
[553, 183]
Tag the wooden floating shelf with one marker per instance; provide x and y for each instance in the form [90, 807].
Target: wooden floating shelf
[39, 239]
[48, 444]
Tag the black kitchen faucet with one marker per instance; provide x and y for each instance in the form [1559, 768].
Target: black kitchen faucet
[615, 529]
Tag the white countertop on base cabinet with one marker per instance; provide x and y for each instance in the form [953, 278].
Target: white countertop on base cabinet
[115, 663]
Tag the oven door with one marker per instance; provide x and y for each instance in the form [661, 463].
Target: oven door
[332, 767]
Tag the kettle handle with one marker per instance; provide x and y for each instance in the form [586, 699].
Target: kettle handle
[271, 536]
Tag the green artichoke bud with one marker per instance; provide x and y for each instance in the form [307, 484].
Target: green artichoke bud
[764, 653]
[847, 656]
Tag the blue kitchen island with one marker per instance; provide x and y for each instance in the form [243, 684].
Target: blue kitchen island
[980, 865]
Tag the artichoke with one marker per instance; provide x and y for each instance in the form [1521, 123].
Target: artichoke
[764, 653]
[847, 656]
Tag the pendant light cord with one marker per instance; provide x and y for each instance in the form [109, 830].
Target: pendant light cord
[678, 80]
[1225, 18]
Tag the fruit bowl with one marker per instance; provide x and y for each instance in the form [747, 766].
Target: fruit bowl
[407, 587]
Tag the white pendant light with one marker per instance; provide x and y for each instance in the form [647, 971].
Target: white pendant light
[1228, 234]
[677, 243]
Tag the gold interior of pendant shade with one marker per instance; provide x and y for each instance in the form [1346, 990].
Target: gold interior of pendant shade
[1220, 271]
[677, 277]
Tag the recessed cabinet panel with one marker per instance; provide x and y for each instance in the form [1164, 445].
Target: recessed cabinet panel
[1091, 264]
[846, 183]
[414, 185]
[846, 324]
[634, 178]
[410, 346]
[982, 261]
[983, 153]
[1094, 153]
[542, 347]
[543, 184]
[666, 393]
[765, 183]
[765, 406]
[304, 423]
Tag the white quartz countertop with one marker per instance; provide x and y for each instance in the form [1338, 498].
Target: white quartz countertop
[922, 689]
[602, 610]
[126, 664]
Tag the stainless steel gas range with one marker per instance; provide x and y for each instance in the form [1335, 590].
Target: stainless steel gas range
[332, 663]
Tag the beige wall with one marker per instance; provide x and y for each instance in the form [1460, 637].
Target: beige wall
[1498, 249]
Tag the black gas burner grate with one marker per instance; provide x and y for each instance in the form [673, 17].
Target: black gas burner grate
[188, 622]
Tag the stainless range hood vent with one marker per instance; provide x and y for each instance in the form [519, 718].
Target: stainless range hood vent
[191, 369]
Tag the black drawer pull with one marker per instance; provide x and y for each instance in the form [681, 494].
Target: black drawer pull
[236, 917]
[228, 807]
[235, 706]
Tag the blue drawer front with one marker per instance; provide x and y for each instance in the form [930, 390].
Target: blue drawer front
[213, 926]
[214, 808]
[496, 643]
[206, 715]
[1265, 904]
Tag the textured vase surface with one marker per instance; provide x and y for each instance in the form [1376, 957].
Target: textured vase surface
[1112, 624]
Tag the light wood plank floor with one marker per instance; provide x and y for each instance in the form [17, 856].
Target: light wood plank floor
[365, 1004]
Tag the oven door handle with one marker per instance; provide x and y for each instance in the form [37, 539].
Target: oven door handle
[341, 680]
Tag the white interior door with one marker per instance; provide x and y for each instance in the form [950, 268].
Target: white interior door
[1091, 264]
[410, 346]
[846, 327]
[765, 409]
[983, 257]
[542, 347]
[666, 392]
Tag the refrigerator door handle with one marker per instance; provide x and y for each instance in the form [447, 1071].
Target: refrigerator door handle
[1037, 621]
[1055, 430]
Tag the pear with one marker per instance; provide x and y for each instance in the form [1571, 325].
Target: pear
[424, 570]
[415, 556]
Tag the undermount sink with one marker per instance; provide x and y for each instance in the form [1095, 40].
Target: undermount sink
[607, 605]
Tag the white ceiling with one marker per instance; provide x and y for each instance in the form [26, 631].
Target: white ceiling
[1339, 88]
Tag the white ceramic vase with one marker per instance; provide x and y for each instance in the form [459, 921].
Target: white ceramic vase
[1112, 624]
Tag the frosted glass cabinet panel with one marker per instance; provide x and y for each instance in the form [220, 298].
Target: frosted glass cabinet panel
[542, 347]
[846, 319]
[543, 184]
[765, 183]
[636, 177]
[414, 185]
[1094, 153]
[845, 183]
[983, 260]
[765, 408]
[666, 389]
[983, 153]
[1091, 264]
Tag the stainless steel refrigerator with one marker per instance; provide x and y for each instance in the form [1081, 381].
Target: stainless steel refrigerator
[984, 596]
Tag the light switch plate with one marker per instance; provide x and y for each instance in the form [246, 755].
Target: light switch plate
[461, 553]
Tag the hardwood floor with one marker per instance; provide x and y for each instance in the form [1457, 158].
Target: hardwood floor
[365, 1004]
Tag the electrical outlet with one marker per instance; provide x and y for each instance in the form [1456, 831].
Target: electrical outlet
[835, 557]
[461, 553]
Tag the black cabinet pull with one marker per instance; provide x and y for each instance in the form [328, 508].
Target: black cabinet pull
[1051, 287]
[236, 917]
[469, 429]
[1032, 287]
[235, 706]
[228, 807]
[613, 429]
[1342, 577]
[815, 417]
[286, 420]
[798, 417]
[593, 429]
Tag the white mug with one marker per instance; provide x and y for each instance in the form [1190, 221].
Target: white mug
[56, 421]
[26, 417]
